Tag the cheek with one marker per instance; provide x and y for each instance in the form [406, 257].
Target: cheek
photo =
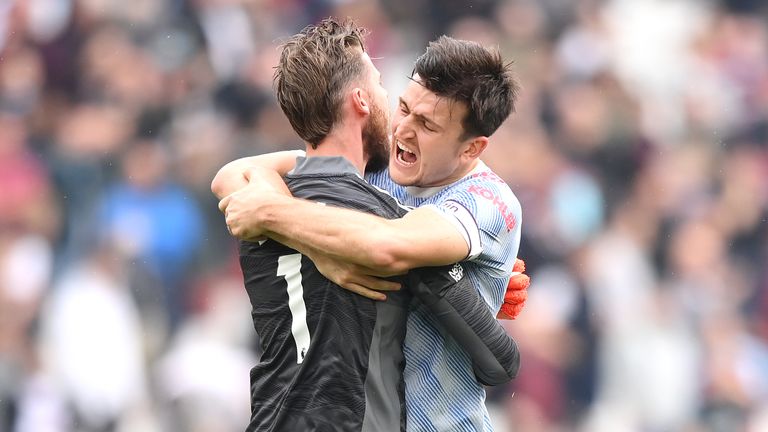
[430, 152]
[439, 158]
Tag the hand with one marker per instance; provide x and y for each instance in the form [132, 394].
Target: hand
[517, 292]
[240, 212]
[353, 277]
[242, 208]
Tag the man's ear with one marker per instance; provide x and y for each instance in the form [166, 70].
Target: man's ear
[475, 147]
[360, 101]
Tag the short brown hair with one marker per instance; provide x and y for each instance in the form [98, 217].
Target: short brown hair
[315, 67]
[467, 72]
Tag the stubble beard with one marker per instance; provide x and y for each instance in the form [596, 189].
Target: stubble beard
[375, 140]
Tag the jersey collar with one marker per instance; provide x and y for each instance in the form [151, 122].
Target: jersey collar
[323, 165]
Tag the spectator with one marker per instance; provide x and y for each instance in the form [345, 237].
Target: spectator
[640, 146]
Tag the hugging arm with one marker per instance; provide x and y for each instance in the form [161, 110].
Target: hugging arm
[460, 309]
[391, 246]
[235, 175]
[421, 238]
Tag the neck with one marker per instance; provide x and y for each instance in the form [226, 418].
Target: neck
[458, 175]
[344, 142]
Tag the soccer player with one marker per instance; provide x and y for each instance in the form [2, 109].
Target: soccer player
[459, 94]
[332, 360]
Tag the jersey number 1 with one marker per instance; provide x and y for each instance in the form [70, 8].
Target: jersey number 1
[289, 266]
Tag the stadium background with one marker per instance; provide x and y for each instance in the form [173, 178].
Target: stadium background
[638, 151]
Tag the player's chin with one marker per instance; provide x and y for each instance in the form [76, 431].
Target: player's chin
[404, 176]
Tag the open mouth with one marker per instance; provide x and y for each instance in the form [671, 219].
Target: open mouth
[404, 155]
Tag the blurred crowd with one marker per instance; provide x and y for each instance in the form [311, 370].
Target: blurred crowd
[639, 151]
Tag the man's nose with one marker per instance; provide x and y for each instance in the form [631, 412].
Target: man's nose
[403, 131]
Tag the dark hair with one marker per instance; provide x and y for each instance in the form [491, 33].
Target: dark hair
[315, 67]
[467, 72]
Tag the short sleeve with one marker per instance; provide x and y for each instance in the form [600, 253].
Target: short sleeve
[464, 221]
[488, 215]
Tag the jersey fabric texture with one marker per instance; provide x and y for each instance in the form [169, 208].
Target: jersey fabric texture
[332, 360]
[442, 393]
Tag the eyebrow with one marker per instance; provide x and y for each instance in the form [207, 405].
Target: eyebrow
[422, 117]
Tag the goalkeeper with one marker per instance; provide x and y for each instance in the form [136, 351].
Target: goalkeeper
[459, 94]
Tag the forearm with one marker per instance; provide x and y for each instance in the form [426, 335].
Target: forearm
[464, 314]
[387, 246]
[342, 234]
[234, 175]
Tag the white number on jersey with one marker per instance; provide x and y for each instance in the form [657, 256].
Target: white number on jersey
[289, 266]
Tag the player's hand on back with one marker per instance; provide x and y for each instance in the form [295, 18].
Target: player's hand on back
[241, 208]
[240, 212]
[353, 277]
[517, 292]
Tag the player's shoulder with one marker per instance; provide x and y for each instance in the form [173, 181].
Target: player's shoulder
[378, 178]
[388, 205]
[335, 187]
[348, 191]
[382, 180]
[488, 195]
[484, 177]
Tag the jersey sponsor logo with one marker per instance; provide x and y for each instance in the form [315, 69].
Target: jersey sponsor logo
[457, 272]
[486, 175]
[506, 213]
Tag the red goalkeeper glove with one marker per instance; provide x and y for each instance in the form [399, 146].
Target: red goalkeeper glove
[517, 292]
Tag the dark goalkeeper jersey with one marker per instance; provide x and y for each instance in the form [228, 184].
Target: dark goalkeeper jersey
[332, 360]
